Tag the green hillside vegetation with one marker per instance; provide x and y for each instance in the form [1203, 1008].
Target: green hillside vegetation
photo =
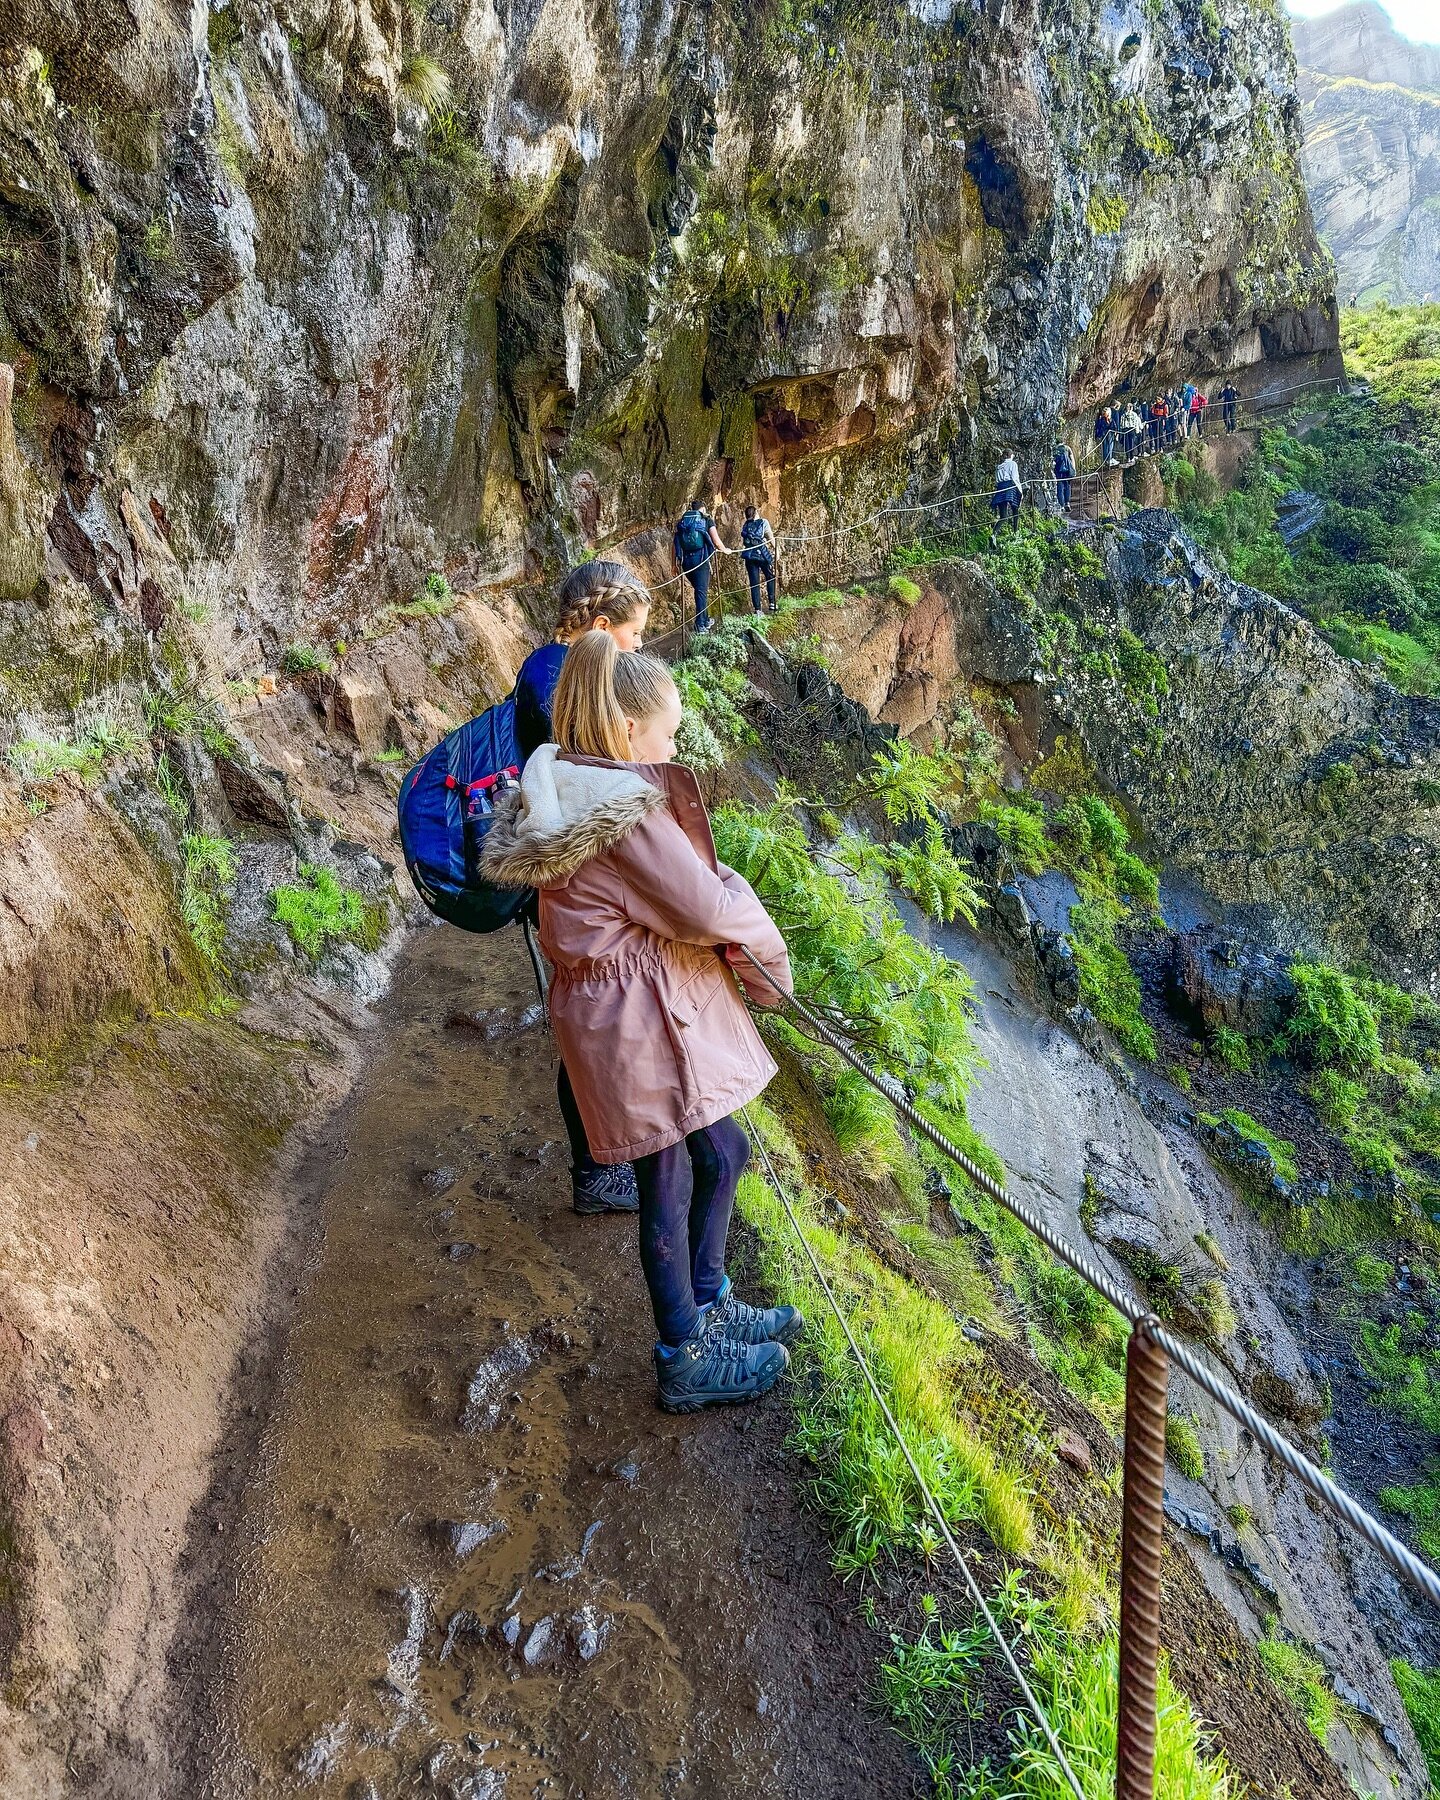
[1369, 573]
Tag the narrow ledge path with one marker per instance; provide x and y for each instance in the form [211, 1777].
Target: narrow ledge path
[460, 1552]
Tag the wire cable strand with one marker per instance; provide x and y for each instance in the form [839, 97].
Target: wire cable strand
[1403, 1560]
[976, 1595]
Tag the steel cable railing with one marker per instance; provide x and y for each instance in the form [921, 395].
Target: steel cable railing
[1404, 1561]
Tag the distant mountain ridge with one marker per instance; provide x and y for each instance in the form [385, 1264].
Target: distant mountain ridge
[1370, 109]
[1360, 41]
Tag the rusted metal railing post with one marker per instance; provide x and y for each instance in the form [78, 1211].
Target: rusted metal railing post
[1142, 1541]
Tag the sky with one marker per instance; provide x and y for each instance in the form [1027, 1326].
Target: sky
[1418, 20]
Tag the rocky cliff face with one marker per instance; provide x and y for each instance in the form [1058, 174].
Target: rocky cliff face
[304, 302]
[1371, 111]
[1298, 789]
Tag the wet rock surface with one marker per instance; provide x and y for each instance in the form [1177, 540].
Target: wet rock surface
[549, 1586]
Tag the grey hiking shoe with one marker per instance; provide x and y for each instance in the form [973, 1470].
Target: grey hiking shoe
[714, 1369]
[755, 1324]
[604, 1187]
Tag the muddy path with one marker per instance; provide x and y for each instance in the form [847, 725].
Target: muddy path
[452, 1546]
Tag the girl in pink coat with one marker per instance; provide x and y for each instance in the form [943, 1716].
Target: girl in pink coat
[641, 922]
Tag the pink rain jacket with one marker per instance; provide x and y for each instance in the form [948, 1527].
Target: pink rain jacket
[636, 915]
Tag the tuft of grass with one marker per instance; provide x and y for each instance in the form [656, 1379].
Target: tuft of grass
[96, 737]
[1282, 1151]
[319, 910]
[1232, 1047]
[1217, 1315]
[305, 659]
[1420, 1690]
[1211, 1248]
[208, 869]
[1302, 1681]
[426, 83]
[1182, 1445]
[1238, 1515]
[1371, 1273]
[933, 1688]
[901, 588]
[1420, 1503]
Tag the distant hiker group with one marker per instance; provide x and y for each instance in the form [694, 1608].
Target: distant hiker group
[1125, 432]
[695, 544]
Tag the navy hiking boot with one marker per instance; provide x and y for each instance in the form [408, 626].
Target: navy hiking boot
[753, 1324]
[714, 1369]
[604, 1188]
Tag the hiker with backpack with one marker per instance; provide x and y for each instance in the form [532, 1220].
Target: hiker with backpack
[1064, 466]
[643, 926]
[693, 550]
[1229, 400]
[1196, 422]
[758, 549]
[1005, 500]
[597, 596]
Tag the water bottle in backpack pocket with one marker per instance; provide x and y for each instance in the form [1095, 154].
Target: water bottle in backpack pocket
[446, 808]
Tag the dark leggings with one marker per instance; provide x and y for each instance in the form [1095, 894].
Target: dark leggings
[698, 575]
[581, 1160]
[687, 1193]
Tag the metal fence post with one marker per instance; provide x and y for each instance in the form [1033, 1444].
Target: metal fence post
[1142, 1541]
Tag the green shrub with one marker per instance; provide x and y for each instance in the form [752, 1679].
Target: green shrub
[1023, 833]
[1329, 1020]
[1108, 985]
[1420, 1690]
[1232, 1047]
[320, 910]
[1182, 1445]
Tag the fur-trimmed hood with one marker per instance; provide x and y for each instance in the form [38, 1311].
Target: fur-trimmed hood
[563, 814]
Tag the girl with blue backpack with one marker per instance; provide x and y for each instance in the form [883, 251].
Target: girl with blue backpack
[642, 925]
[598, 596]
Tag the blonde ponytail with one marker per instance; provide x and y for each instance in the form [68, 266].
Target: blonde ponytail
[600, 687]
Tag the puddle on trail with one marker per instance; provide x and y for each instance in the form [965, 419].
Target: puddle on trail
[473, 1559]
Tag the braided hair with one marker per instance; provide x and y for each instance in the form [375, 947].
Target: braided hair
[598, 590]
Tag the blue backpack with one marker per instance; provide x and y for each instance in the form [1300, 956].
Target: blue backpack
[752, 540]
[693, 532]
[446, 809]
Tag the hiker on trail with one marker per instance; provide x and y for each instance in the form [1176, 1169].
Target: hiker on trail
[1229, 400]
[1005, 501]
[1158, 410]
[1174, 421]
[1130, 431]
[693, 550]
[1196, 423]
[1064, 475]
[1105, 429]
[758, 548]
[643, 926]
[598, 596]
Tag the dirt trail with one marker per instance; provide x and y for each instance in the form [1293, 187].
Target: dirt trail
[463, 1553]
